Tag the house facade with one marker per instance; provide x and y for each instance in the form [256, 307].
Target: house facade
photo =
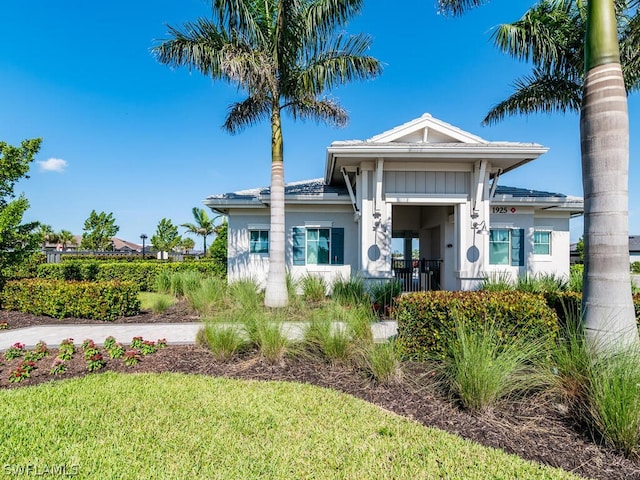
[424, 183]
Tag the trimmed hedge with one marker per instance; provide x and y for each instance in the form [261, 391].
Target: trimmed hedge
[105, 257]
[61, 299]
[142, 274]
[426, 319]
[572, 303]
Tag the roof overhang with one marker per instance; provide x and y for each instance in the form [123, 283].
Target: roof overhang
[573, 205]
[501, 156]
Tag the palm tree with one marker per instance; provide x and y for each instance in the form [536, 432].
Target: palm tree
[551, 35]
[284, 54]
[46, 234]
[608, 313]
[65, 237]
[203, 226]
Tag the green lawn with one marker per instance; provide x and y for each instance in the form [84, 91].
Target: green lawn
[186, 426]
[149, 299]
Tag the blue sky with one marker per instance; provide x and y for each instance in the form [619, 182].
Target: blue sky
[127, 135]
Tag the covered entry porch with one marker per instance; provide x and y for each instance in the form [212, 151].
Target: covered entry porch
[422, 239]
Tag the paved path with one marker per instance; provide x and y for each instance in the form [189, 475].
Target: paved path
[174, 333]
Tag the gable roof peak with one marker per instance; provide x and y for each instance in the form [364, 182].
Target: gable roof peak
[426, 129]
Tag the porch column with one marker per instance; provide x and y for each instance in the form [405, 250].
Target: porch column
[408, 252]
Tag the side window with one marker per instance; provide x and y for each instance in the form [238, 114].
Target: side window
[506, 246]
[318, 246]
[258, 241]
[542, 242]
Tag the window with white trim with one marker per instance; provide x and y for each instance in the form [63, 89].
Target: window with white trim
[259, 241]
[506, 246]
[318, 246]
[542, 242]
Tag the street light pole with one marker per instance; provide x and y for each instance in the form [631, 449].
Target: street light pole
[143, 237]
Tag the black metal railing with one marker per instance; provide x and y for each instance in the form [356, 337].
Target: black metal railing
[417, 275]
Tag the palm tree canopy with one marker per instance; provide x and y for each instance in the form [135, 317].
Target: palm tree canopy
[551, 36]
[279, 52]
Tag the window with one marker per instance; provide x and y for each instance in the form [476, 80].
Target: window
[542, 242]
[506, 246]
[259, 241]
[318, 246]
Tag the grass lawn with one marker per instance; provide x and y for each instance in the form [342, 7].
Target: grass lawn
[186, 426]
[149, 299]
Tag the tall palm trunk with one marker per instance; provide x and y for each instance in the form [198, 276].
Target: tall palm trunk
[276, 291]
[608, 312]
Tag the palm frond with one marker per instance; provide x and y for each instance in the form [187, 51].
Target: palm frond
[458, 7]
[197, 45]
[538, 93]
[246, 113]
[337, 62]
[245, 17]
[321, 110]
[322, 17]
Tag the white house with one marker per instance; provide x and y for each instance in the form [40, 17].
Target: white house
[425, 180]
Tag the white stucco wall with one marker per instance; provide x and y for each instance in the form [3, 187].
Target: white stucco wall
[245, 265]
[557, 263]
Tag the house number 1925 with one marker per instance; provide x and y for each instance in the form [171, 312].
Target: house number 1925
[499, 210]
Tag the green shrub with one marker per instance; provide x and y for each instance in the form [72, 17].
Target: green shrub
[426, 318]
[60, 299]
[142, 274]
[635, 267]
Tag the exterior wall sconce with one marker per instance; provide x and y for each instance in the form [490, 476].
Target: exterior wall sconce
[480, 228]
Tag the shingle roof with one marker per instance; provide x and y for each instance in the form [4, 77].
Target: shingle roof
[525, 192]
[314, 187]
[634, 243]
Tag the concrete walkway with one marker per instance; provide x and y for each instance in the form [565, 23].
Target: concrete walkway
[174, 333]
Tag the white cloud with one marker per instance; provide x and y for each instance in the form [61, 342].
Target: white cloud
[53, 165]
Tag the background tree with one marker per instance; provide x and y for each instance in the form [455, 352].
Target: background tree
[65, 237]
[98, 231]
[607, 307]
[284, 55]
[45, 233]
[187, 244]
[218, 250]
[551, 35]
[203, 225]
[17, 239]
[166, 238]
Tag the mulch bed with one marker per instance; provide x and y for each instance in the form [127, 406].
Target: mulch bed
[537, 430]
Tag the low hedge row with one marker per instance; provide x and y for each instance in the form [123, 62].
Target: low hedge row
[105, 257]
[427, 319]
[61, 299]
[142, 274]
[571, 303]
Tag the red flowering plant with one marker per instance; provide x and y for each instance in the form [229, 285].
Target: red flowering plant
[131, 357]
[14, 351]
[66, 349]
[4, 325]
[148, 347]
[58, 366]
[95, 361]
[136, 342]
[161, 343]
[22, 371]
[116, 350]
[88, 343]
[109, 342]
[40, 351]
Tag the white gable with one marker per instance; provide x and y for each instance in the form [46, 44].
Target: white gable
[426, 129]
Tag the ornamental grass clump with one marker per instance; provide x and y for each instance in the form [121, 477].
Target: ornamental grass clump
[210, 294]
[613, 399]
[245, 295]
[381, 361]
[481, 367]
[329, 339]
[314, 288]
[349, 291]
[223, 341]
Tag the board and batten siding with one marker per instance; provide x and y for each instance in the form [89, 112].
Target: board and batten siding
[426, 182]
